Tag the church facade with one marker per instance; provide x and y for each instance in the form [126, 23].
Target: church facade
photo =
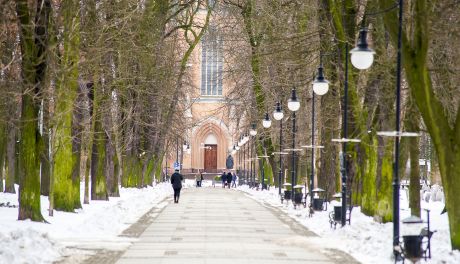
[210, 138]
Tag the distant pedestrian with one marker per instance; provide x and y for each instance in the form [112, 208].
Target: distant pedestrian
[229, 179]
[197, 180]
[176, 182]
[223, 178]
[201, 179]
[234, 180]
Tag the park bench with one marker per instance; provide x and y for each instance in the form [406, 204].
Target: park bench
[335, 216]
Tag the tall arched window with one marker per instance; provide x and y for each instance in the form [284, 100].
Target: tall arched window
[211, 63]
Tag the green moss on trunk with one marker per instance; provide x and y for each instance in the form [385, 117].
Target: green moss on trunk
[67, 158]
[158, 169]
[98, 179]
[132, 172]
[148, 179]
[29, 188]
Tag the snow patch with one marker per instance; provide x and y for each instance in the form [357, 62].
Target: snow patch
[96, 226]
[365, 239]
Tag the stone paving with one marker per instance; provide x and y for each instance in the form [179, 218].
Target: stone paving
[218, 226]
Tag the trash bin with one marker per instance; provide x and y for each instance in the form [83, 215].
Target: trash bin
[337, 213]
[298, 198]
[287, 195]
[413, 248]
[318, 204]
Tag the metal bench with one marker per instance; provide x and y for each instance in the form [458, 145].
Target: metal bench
[335, 216]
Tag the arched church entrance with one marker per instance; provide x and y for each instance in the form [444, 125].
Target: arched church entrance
[210, 146]
[210, 153]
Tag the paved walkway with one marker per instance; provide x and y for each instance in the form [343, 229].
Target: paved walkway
[225, 226]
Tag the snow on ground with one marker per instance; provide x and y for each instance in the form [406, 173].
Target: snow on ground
[365, 239]
[96, 225]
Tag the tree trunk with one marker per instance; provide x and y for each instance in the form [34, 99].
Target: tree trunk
[67, 154]
[412, 125]
[98, 178]
[11, 158]
[34, 40]
[44, 155]
[29, 182]
[111, 169]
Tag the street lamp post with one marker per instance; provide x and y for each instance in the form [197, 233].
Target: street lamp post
[250, 163]
[312, 178]
[362, 58]
[239, 163]
[278, 115]
[253, 133]
[362, 47]
[398, 129]
[293, 106]
[253, 160]
[266, 123]
[344, 164]
[177, 149]
[320, 87]
[244, 160]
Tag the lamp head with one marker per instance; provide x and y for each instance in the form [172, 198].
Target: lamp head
[362, 56]
[266, 122]
[278, 113]
[293, 103]
[320, 84]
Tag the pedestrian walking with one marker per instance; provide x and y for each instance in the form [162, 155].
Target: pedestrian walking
[197, 180]
[234, 180]
[201, 179]
[229, 179]
[223, 178]
[176, 182]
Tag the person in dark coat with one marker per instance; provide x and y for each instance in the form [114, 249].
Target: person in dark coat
[223, 178]
[176, 182]
[229, 179]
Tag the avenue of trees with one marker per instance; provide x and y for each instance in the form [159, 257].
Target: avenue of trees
[91, 91]
[94, 91]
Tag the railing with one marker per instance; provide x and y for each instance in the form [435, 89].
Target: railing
[193, 170]
[208, 174]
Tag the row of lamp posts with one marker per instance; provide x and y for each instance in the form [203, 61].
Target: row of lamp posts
[362, 58]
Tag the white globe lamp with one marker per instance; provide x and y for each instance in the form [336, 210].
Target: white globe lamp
[293, 103]
[362, 56]
[278, 113]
